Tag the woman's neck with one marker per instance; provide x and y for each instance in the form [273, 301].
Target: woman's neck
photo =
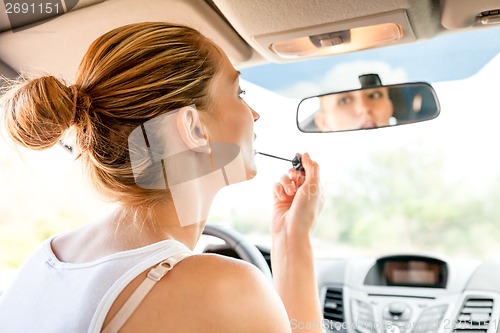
[183, 220]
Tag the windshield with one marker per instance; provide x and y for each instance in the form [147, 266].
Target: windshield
[427, 187]
[430, 187]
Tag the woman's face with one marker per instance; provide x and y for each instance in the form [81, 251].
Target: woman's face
[231, 119]
[365, 108]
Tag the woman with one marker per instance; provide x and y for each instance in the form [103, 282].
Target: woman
[78, 281]
[364, 108]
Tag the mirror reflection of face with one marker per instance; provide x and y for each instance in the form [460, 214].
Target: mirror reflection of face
[367, 108]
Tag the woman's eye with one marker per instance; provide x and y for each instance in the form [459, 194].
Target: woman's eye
[242, 93]
[344, 100]
[376, 95]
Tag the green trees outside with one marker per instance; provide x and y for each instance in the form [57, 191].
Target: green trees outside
[400, 200]
[406, 201]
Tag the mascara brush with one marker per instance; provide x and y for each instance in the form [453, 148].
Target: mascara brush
[296, 162]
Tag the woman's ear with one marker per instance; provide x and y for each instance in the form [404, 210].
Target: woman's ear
[191, 130]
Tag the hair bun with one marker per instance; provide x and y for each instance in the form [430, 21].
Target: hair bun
[38, 111]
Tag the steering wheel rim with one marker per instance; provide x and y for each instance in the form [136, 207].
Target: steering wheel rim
[241, 246]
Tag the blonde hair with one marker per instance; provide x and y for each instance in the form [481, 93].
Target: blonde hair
[128, 76]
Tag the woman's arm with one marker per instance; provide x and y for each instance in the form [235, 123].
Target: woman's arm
[297, 203]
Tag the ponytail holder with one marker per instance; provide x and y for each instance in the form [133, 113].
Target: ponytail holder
[74, 91]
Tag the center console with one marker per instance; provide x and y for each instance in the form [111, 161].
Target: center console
[406, 294]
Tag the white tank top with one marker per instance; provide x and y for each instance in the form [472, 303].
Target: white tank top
[53, 296]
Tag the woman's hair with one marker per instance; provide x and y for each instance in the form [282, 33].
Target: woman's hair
[127, 77]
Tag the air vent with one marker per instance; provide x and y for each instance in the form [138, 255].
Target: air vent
[475, 316]
[334, 306]
[363, 317]
[430, 319]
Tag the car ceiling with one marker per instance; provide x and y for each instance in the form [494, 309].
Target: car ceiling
[57, 45]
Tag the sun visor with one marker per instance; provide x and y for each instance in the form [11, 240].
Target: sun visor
[70, 35]
[457, 14]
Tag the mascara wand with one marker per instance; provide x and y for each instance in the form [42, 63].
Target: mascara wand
[296, 162]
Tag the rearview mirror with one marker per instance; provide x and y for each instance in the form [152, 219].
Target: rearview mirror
[368, 108]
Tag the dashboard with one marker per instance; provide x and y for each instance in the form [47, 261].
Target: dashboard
[409, 294]
[404, 294]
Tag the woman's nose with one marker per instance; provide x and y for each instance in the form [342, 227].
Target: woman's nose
[255, 115]
[363, 106]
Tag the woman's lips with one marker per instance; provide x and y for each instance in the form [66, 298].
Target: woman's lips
[368, 124]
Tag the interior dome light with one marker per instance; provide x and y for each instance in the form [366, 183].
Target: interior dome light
[339, 41]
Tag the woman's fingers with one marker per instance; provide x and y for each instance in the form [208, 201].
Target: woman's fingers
[297, 177]
[290, 183]
[279, 192]
[311, 173]
[298, 200]
[311, 169]
[289, 186]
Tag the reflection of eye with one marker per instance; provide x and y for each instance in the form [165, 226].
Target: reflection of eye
[344, 100]
[376, 95]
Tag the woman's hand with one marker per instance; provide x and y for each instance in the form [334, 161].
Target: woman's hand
[298, 199]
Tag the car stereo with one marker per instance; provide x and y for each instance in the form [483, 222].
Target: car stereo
[408, 271]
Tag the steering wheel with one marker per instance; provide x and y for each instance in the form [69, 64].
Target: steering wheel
[242, 247]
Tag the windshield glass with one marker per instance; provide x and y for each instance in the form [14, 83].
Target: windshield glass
[430, 187]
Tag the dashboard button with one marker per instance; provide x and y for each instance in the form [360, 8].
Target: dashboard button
[397, 309]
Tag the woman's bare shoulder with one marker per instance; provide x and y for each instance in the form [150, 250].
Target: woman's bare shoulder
[211, 293]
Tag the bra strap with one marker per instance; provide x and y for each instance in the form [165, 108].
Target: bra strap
[154, 275]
